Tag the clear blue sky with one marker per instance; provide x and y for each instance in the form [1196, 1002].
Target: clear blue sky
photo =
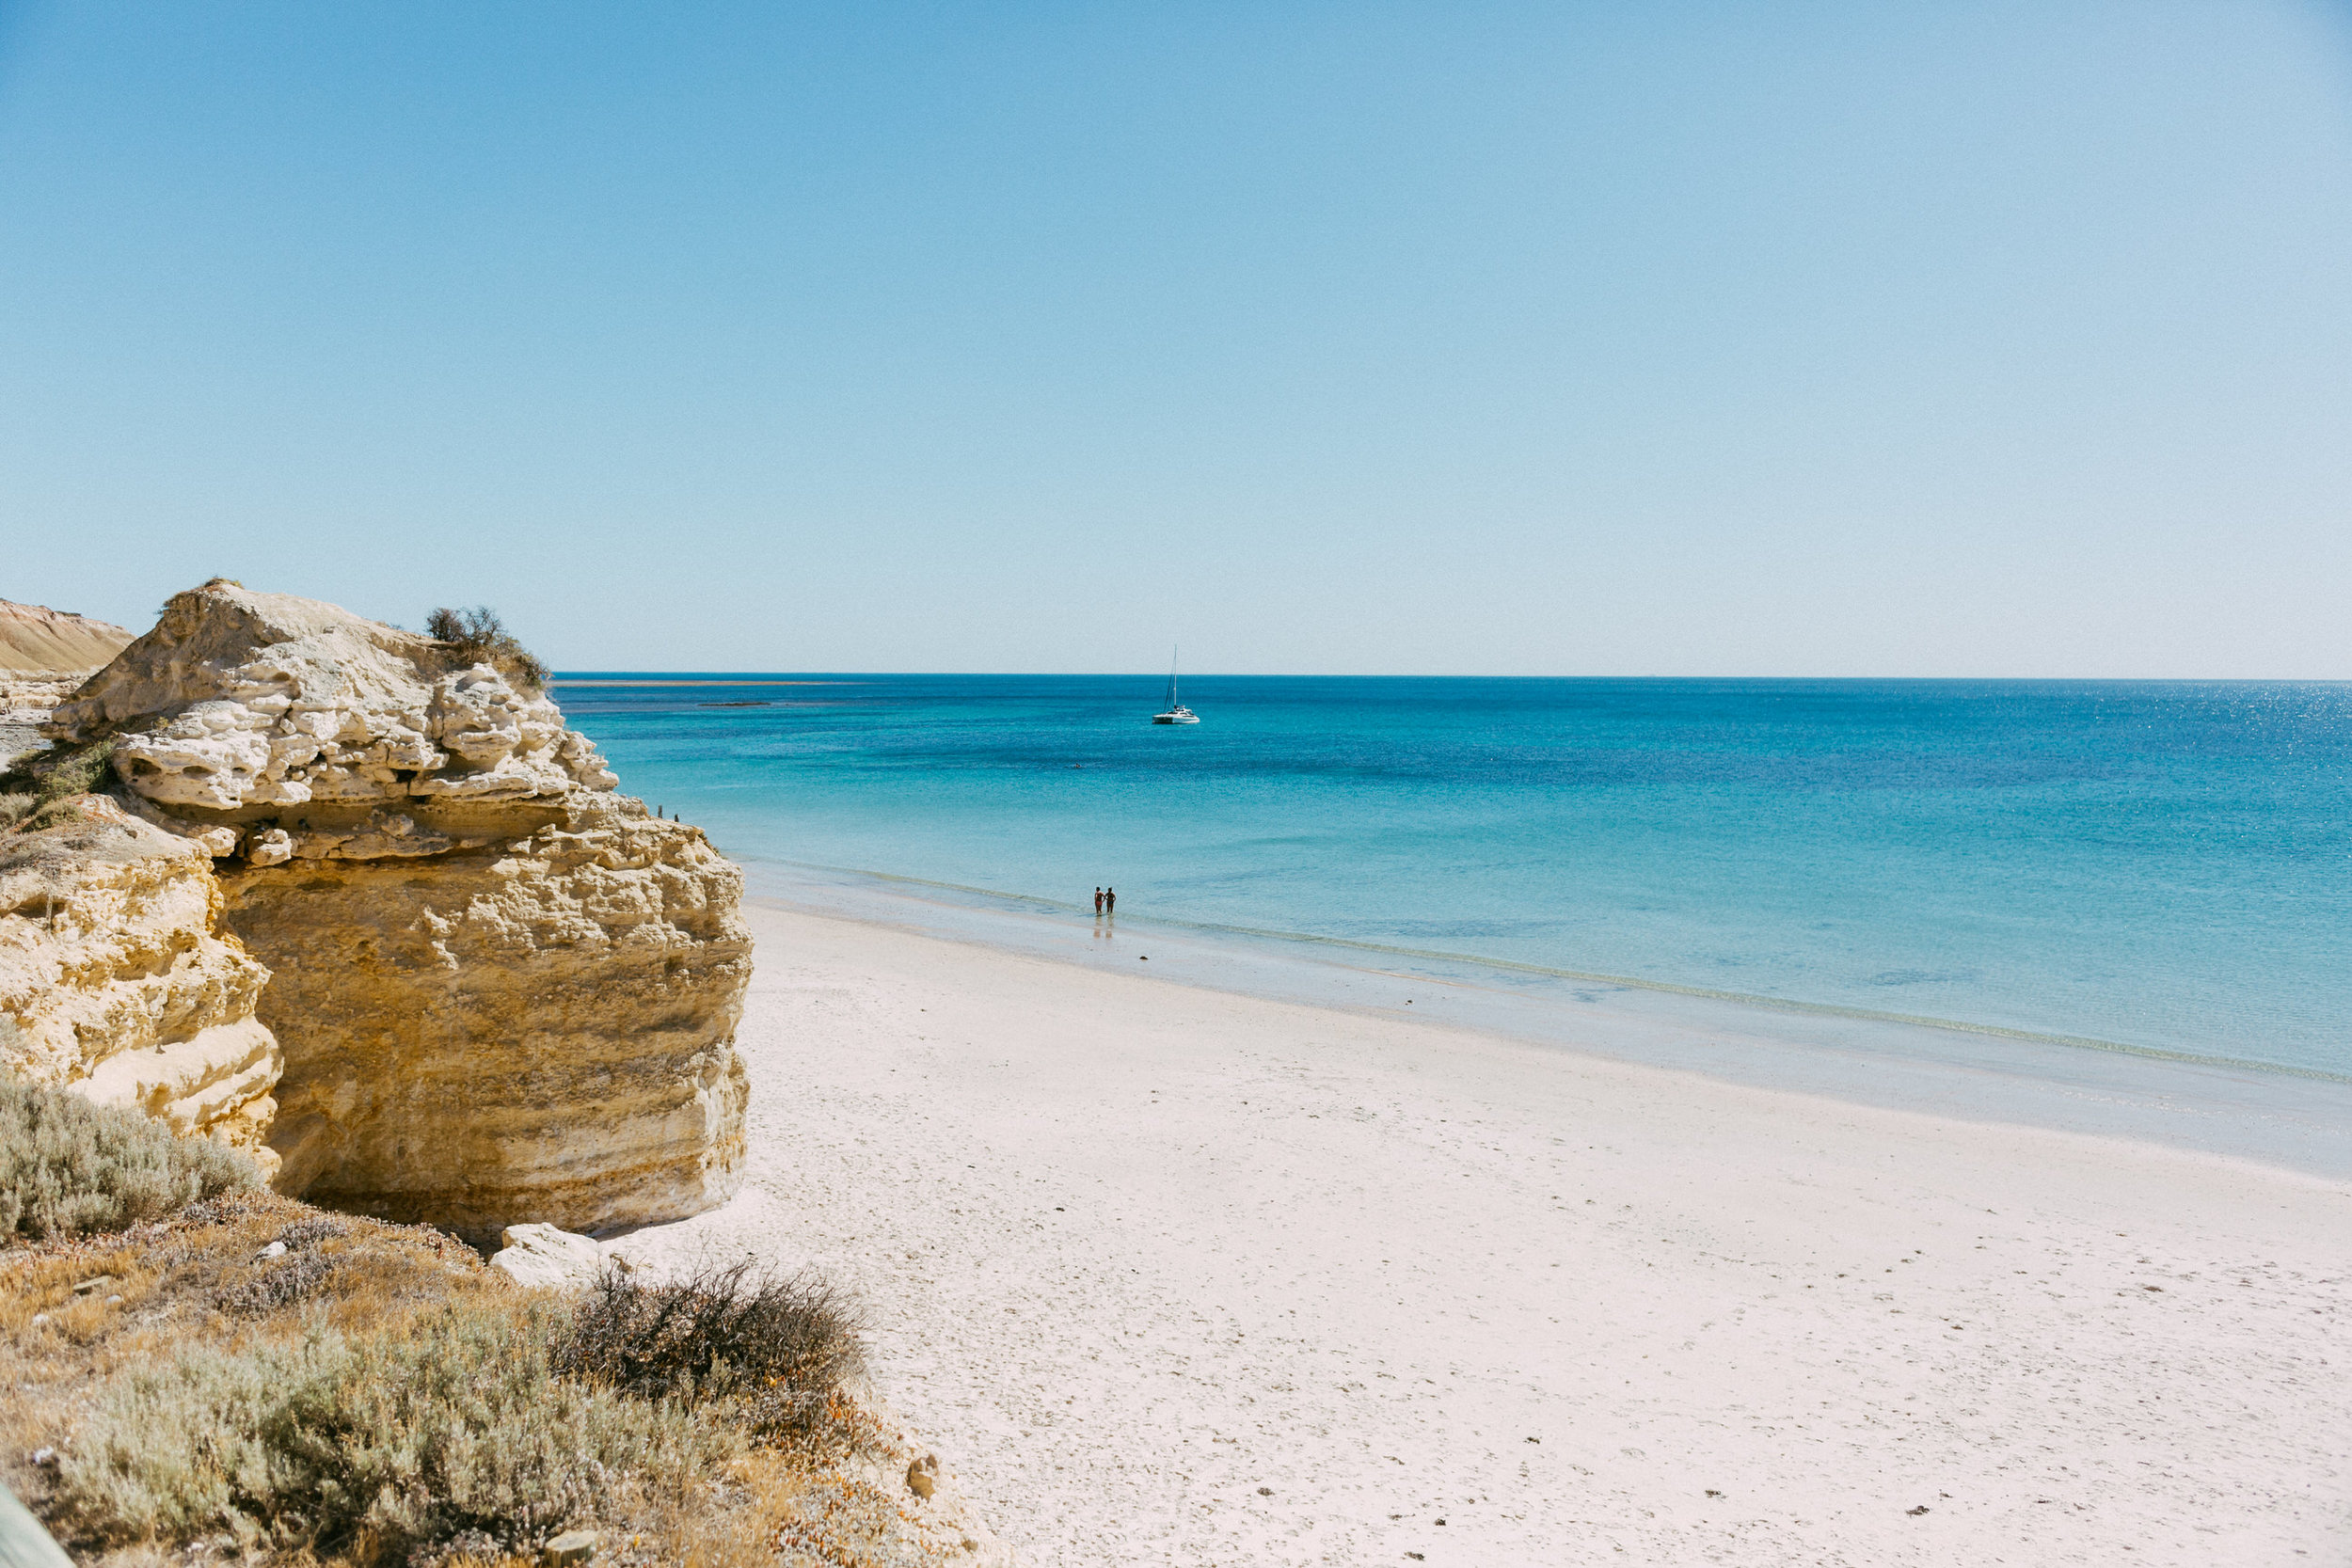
[1449, 337]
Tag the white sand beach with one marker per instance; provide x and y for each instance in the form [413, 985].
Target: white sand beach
[1173, 1275]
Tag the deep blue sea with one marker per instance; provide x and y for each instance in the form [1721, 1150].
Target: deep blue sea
[2164, 866]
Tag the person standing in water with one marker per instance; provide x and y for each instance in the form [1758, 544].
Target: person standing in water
[1098, 903]
[1110, 900]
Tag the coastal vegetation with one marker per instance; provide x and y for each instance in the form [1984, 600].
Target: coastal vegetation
[193, 1361]
[68, 1167]
[198, 1363]
[38, 782]
[477, 636]
[777, 1348]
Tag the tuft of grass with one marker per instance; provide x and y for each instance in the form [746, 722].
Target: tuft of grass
[16, 806]
[70, 1167]
[777, 1349]
[477, 636]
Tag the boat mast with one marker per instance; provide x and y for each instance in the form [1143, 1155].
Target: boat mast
[1171, 677]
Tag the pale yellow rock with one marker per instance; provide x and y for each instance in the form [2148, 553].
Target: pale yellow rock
[501, 991]
[240, 705]
[544, 1029]
[219, 840]
[545, 1258]
[192, 1085]
[117, 981]
[26, 701]
[572, 1547]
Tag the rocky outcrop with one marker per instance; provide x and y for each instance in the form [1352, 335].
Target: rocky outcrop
[540, 1256]
[33, 636]
[116, 979]
[26, 700]
[503, 992]
[541, 1028]
[241, 704]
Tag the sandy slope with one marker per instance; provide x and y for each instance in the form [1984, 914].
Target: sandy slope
[33, 637]
[1178, 1276]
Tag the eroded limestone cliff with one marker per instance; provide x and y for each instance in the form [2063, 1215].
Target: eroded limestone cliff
[240, 703]
[543, 1028]
[116, 980]
[504, 992]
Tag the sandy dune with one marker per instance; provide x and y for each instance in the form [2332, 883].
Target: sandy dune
[33, 637]
[1178, 1276]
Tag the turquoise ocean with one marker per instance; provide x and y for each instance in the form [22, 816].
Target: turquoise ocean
[2164, 868]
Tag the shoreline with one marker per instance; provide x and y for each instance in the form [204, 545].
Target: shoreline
[1304, 940]
[1182, 1275]
[2294, 1118]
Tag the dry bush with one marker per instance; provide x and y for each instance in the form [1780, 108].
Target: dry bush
[68, 1166]
[778, 1349]
[371, 1394]
[450, 1430]
[299, 1277]
[38, 782]
[186, 1280]
[477, 636]
[374, 1395]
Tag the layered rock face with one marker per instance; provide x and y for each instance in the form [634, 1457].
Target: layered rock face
[116, 980]
[541, 1028]
[505, 992]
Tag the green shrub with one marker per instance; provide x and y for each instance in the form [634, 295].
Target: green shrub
[477, 636]
[38, 782]
[450, 1432]
[73, 769]
[776, 1349]
[68, 1166]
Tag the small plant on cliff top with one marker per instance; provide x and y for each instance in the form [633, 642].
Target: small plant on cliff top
[477, 636]
[68, 1166]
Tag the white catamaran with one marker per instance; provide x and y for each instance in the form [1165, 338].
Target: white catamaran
[1177, 712]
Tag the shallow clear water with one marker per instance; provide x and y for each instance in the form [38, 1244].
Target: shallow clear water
[2159, 865]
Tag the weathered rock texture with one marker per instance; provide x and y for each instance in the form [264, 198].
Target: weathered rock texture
[543, 1258]
[542, 1028]
[504, 993]
[33, 636]
[116, 980]
[27, 699]
[239, 704]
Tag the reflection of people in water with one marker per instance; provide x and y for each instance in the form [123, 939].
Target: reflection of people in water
[1098, 900]
[1110, 900]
